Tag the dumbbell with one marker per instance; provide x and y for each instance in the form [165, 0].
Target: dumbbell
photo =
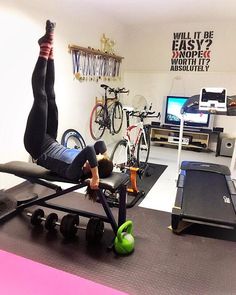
[37, 217]
[69, 225]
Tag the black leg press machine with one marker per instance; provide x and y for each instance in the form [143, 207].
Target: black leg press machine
[35, 174]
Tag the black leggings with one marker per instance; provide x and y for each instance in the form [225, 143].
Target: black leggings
[42, 124]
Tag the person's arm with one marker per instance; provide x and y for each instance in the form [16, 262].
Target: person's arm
[91, 165]
[94, 181]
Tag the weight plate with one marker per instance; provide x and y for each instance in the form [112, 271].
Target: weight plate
[94, 230]
[69, 225]
[36, 218]
[50, 222]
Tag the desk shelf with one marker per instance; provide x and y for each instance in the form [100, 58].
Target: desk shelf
[191, 139]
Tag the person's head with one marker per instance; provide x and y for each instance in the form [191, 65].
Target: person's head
[105, 166]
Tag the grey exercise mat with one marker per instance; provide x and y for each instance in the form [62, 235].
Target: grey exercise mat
[201, 261]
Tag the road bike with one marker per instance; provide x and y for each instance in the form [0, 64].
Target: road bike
[130, 154]
[133, 151]
[107, 115]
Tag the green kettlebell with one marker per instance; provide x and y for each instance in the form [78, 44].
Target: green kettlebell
[124, 241]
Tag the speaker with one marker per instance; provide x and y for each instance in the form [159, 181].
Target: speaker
[155, 124]
[218, 129]
[227, 147]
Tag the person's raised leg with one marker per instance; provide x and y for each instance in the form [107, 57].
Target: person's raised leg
[52, 120]
[37, 121]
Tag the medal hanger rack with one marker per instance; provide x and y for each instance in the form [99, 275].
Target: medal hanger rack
[91, 64]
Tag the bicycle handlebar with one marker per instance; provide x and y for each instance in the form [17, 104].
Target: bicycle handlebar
[144, 114]
[121, 90]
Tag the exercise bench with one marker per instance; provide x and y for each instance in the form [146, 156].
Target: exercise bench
[35, 174]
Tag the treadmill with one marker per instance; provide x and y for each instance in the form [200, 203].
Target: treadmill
[205, 192]
[206, 195]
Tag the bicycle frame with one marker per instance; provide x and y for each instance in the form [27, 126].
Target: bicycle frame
[132, 143]
[108, 111]
[108, 104]
[107, 118]
[133, 150]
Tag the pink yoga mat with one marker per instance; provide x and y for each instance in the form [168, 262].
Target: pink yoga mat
[21, 276]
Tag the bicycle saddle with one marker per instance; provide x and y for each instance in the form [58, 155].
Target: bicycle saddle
[104, 86]
[128, 109]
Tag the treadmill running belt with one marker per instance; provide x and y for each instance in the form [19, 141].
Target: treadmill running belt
[206, 196]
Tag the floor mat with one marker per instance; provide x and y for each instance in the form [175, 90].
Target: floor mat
[200, 261]
[152, 174]
[145, 183]
[34, 278]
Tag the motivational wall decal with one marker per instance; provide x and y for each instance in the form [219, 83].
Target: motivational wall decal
[191, 51]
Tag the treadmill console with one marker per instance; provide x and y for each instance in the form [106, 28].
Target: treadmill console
[213, 99]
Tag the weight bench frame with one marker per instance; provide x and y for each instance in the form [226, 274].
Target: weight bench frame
[36, 174]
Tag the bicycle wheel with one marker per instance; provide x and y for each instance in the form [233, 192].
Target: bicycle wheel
[72, 139]
[143, 149]
[117, 117]
[97, 118]
[120, 155]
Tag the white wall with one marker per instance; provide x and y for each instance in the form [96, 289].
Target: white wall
[148, 54]
[22, 23]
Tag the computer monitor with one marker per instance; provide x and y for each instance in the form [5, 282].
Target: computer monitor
[173, 114]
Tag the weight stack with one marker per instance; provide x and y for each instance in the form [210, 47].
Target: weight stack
[227, 146]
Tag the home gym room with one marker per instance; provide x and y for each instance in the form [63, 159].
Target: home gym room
[164, 49]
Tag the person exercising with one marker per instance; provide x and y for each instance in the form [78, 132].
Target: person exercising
[42, 125]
